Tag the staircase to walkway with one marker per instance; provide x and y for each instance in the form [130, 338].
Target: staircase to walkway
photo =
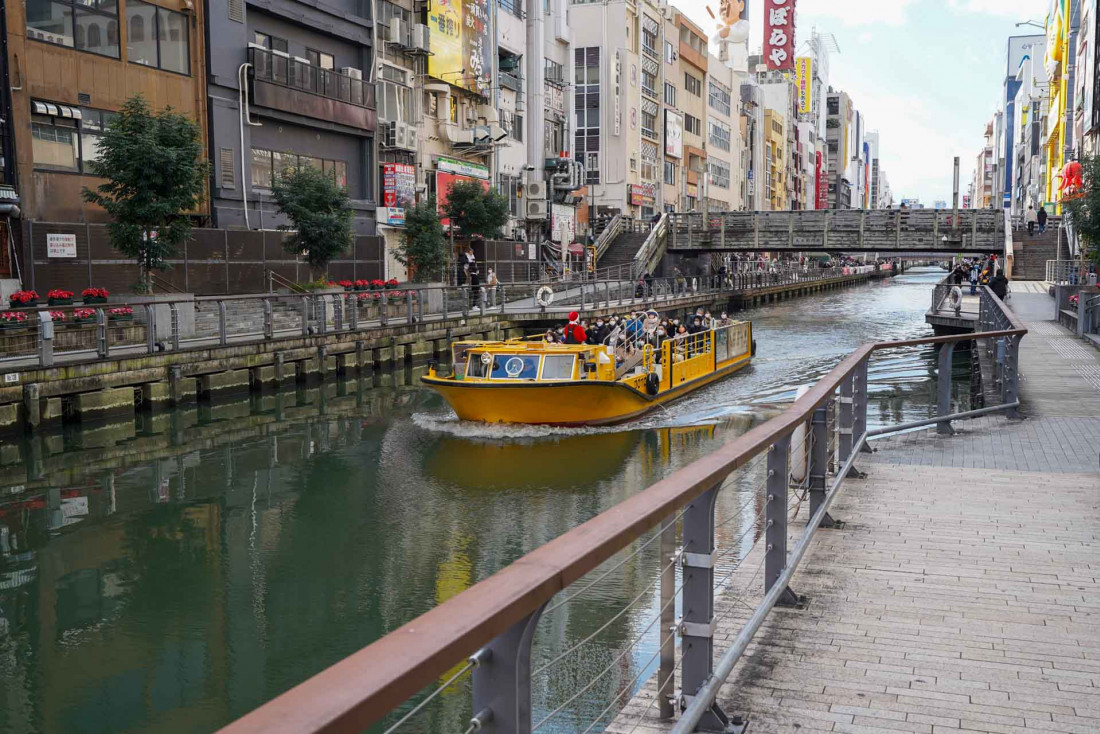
[623, 249]
[1030, 254]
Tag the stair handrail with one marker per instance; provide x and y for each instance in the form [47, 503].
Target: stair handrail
[613, 230]
[1010, 256]
[653, 249]
[274, 279]
[163, 284]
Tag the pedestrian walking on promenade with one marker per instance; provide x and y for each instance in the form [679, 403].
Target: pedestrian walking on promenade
[1031, 218]
[1041, 218]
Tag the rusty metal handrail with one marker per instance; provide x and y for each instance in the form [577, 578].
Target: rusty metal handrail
[362, 688]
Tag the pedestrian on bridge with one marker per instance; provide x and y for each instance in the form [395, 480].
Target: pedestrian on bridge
[1031, 218]
[974, 280]
[1041, 218]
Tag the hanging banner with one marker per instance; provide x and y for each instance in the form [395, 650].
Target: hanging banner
[779, 34]
[674, 134]
[804, 74]
[822, 183]
[459, 42]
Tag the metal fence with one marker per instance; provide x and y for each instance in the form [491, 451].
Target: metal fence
[43, 334]
[794, 463]
[1070, 272]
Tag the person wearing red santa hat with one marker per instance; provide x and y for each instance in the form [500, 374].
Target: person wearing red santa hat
[574, 332]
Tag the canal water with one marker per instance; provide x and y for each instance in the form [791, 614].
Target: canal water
[172, 573]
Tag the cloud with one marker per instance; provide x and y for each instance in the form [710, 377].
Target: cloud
[857, 12]
[865, 37]
[1020, 9]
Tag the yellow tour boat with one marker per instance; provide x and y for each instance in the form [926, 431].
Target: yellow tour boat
[531, 381]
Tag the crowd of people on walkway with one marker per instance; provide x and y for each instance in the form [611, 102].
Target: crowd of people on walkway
[981, 271]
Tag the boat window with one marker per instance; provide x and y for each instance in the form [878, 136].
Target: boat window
[475, 367]
[721, 344]
[515, 367]
[557, 367]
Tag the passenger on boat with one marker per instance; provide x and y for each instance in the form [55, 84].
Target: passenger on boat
[551, 337]
[725, 320]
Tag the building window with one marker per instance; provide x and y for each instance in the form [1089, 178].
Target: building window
[55, 144]
[719, 98]
[649, 125]
[693, 125]
[321, 59]
[509, 186]
[649, 83]
[693, 84]
[670, 95]
[586, 102]
[514, 7]
[553, 71]
[92, 127]
[271, 43]
[719, 135]
[395, 102]
[157, 37]
[670, 173]
[649, 168]
[268, 164]
[719, 173]
[88, 25]
[649, 40]
[553, 138]
[517, 128]
[670, 52]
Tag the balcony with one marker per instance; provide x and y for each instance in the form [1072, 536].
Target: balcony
[283, 83]
[651, 51]
[511, 81]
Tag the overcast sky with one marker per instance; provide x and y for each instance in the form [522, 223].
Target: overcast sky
[927, 75]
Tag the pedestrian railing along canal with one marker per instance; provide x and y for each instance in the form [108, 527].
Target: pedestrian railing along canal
[40, 335]
[800, 457]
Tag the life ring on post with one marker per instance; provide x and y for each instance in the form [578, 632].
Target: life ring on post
[652, 383]
[545, 296]
[955, 298]
[694, 285]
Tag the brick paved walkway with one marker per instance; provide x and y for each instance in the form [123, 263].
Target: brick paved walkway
[963, 593]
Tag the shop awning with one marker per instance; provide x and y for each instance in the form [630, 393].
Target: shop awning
[55, 110]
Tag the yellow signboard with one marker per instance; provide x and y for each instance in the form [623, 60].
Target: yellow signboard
[804, 73]
[459, 31]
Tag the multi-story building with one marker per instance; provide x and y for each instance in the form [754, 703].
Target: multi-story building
[775, 160]
[723, 139]
[69, 70]
[670, 190]
[839, 118]
[290, 85]
[1028, 180]
[982, 186]
[693, 62]
[752, 133]
[1061, 50]
[804, 157]
[1020, 50]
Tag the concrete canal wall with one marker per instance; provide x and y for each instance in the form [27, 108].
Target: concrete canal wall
[101, 390]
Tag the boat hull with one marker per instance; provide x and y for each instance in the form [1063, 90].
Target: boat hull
[573, 403]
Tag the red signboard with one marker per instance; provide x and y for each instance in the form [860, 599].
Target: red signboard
[398, 184]
[822, 184]
[779, 34]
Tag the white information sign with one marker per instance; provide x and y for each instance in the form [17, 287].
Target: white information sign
[60, 245]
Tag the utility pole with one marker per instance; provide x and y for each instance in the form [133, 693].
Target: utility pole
[955, 196]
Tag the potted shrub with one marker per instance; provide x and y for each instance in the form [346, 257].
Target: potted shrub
[121, 313]
[94, 295]
[23, 299]
[60, 297]
[391, 283]
[83, 315]
[362, 285]
[13, 319]
[347, 285]
[377, 285]
[58, 317]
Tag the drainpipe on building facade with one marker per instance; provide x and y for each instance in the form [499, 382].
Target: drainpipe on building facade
[242, 108]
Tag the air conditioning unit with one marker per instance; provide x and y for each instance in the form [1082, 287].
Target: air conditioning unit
[389, 134]
[396, 32]
[535, 208]
[411, 137]
[351, 71]
[471, 114]
[421, 37]
[405, 136]
[535, 189]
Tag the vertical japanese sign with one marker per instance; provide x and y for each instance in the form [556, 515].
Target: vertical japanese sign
[779, 34]
[822, 184]
[804, 75]
[460, 44]
[398, 192]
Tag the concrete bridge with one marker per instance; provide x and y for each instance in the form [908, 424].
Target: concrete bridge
[884, 231]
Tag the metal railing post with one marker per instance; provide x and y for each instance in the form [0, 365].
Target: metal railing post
[846, 421]
[697, 625]
[1010, 385]
[338, 312]
[385, 309]
[482, 299]
[465, 296]
[320, 303]
[45, 339]
[775, 515]
[420, 306]
[303, 309]
[409, 306]
[150, 328]
[174, 319]
[223, 337]
[667, 667]
[103, 344]
[607, 294]
[269, 320]
[943, 387]
[859, 402]
[502, 680]
[819, 463]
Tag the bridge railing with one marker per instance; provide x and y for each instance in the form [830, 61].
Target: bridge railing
[884, 230]
[1067, 272]
[37, 336]
[794, 463]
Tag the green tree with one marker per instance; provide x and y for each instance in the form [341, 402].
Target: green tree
[474, 211]
[155, 175]
[1085, 210]
[320, 215]
[424, 251]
